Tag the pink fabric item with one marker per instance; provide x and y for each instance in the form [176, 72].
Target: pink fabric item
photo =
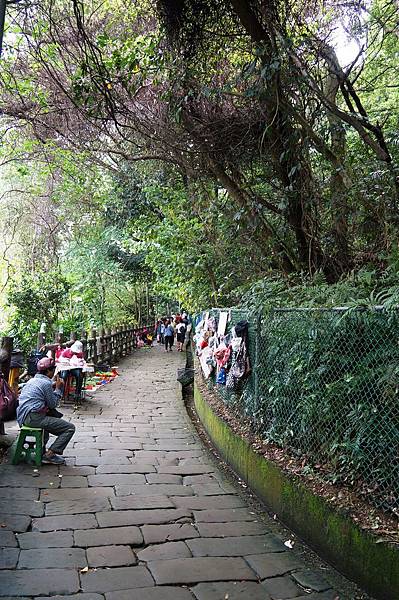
[67, 353]
[222, 355]
[77, 361]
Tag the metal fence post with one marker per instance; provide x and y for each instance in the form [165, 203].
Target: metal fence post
[256, 368]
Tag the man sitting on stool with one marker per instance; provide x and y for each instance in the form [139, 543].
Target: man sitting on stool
[36, 400]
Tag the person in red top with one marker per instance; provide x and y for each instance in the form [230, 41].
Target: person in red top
[73, 357]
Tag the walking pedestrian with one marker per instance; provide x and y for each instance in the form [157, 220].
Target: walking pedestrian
[162, 332]
[158, 331]
[180, 335]
[169, 335]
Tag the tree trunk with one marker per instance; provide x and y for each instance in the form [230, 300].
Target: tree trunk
[338, 184]
[289, 161]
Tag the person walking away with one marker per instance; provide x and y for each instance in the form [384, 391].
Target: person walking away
[36, 400]
[157, 330]
[169, 336]
[180, 335]
[162, 332]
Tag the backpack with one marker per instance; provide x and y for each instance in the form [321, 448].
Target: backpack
[239, 363]
[33, 359]
[8, 401]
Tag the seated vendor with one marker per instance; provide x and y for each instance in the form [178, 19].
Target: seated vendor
[71, 362]
[36, 400]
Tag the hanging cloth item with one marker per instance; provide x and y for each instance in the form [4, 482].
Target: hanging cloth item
[211, 324]
[239, 365]
[207, 367]
[222, 354]
[231, 381]
[235, 344]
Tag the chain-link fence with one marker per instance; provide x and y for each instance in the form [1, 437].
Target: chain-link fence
[325, 386]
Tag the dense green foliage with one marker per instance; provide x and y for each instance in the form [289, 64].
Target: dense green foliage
[365, 288]
[324, 385]
[37, 299]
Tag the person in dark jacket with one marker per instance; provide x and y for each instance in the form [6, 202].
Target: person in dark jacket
[181, 335]
[169, 335]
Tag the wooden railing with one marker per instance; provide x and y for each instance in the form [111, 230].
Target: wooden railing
[105, 345]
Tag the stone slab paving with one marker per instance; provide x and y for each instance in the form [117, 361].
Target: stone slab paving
[110, 556]
[52, 558]
[54, 539]
[9, 558]
[141, 511]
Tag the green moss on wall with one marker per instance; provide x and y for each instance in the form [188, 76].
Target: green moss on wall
[375, 567]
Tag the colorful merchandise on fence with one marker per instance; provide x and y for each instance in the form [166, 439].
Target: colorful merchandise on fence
[223, 355]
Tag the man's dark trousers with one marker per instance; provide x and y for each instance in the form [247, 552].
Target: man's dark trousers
[62, 429]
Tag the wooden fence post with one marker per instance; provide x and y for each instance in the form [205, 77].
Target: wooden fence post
[115, 348]
[124, 340]
[120, 342]
[93, 346]
[101, 345]
[6, 346]
[57, 342]
[113, 345]
[59, 338]
[128, 340]
[84, 337]
[108, 337]
[41, 336]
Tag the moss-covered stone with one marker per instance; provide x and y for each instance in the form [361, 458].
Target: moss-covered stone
[374, 566]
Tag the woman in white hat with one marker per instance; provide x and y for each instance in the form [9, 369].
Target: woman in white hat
[72, 359]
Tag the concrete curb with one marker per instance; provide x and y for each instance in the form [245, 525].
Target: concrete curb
[354, 552]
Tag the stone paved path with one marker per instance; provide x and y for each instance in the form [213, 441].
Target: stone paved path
[140, 512]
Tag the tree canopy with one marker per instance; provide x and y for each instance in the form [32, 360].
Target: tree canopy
[190, 150]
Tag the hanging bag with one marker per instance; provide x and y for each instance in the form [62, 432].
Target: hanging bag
[8, 401]
[238, 366]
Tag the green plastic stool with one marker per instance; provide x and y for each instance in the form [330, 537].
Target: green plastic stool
[25, 450]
